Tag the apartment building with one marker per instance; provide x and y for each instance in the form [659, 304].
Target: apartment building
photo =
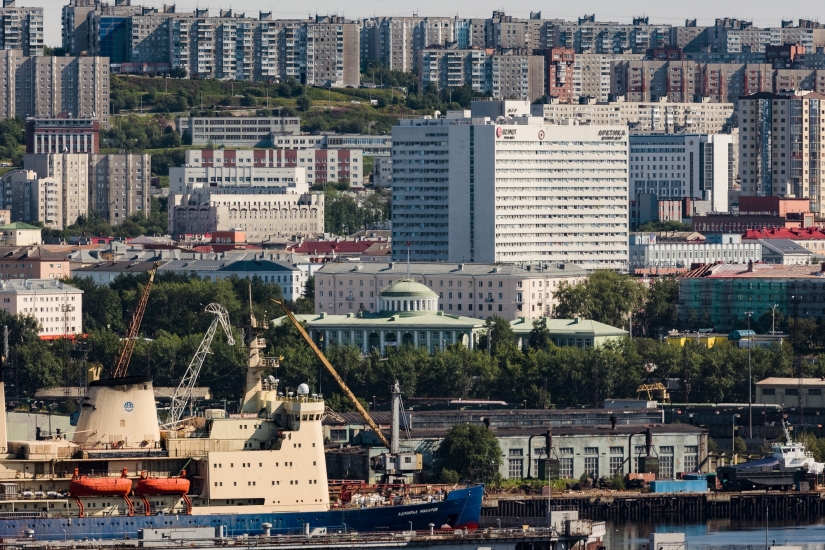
[33, 262]
[559, 70]
[779, 146]
[590, 36]
[644, 117]
[509, 75]
[119, 185]
[497, 189]
[592, 72]
[396, 42]
[21, 29]
[695, 166]
[62, 135]
[237, 131]
[320, 165]
[71, 172]
[480, 290]
[75, 35]
[32, 199]
[220, 190]
[666, 253]
[56, 306]
[46, 87]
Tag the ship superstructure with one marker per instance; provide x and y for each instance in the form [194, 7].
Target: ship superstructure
[263, 468]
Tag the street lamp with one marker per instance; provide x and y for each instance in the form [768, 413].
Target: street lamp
[773, 319]
[733, 438]
[750, 378]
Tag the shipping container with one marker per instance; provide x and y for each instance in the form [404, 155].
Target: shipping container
[678, 486]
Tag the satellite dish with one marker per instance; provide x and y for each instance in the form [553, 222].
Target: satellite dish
[303, 389]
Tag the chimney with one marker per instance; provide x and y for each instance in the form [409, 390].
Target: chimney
[613, 420]
[548, 441]
[750, 266]
[822, 269]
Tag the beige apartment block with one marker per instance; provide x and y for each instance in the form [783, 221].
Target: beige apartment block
[56, 306]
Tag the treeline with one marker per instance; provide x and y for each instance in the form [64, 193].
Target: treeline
[172, 328]
[541, 374]
[135, 225]
[344, 215]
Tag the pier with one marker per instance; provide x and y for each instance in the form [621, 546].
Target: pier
[625, 506]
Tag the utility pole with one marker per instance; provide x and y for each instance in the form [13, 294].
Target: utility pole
[750, 382]
[773, 319]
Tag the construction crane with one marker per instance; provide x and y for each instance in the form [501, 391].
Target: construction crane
[648, 389]
[357, 404]
[183, 393]
[134, 326]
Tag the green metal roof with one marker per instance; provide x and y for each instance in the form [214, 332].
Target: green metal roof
[524, 325]
[407, 287]
[19, 225]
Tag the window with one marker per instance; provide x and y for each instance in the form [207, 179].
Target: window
[665, 467]
[616, 450]
[566, 451]
[566, 468]
[691, 458]
[516, 468]
[815, 392]
[591, 466]
[616, 465]
[516, 452]
[768, 391]
[338, 435]
[591, 450]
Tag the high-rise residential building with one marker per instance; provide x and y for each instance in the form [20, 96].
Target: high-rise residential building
[395, 42]
[506, 75]
[780, 151]
[71, 172]
[644, 117]
[21, 28]
[559, 72]
[694, 166]
[32, 199]
[46, 87]
[75, 25]
[592, 73]
[119, 185]
[219, 190]
[502, 186]
[333, 52]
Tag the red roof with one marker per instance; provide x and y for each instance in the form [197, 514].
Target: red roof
[794, 234]
[332, 247]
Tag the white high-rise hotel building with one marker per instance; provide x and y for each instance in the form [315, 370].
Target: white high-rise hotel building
[497, 185]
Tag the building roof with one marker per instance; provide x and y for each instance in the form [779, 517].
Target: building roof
[561, 431]
[227, 265]
[757, 271]
[332, 247]
[387, 320]
[33, 252]
[443, 268]
[117, 267]
[407, 287]
[794, 233]
[779, 381]
[36, 285]
[523, 325]
[20, 225]
[784, 247]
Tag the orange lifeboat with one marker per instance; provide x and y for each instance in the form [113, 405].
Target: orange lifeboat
[162, 486]
[100, 486]
[176, 486]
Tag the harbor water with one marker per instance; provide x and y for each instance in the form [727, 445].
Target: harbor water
[719, 534]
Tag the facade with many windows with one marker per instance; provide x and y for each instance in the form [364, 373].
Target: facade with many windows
[495, 189]
[56, 306]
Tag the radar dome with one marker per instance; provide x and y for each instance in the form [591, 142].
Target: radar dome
[303, 389]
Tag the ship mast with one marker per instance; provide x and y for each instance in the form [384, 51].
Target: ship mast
[255, 362]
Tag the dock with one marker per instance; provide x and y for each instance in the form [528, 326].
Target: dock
[630, 506]
[581, 535]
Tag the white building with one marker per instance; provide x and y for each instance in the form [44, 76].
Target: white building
[225, 190]
[510, 190]
[56, 306]
[644, 117]
[696, 166]
[237, 131]
[655, 253]
[473, 290]
[382, 171]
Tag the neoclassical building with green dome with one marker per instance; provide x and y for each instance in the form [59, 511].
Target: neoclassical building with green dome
[407, 312]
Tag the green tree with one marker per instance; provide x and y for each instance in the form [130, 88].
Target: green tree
[604, 296]
[471, 451]
[655, 227]
[304, 103]
[539, 336]
[660, 313]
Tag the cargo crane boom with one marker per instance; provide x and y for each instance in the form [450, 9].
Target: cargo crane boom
[357, 404]
[183, 393]
[134, 327]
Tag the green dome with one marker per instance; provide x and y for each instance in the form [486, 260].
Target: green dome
[405, 288]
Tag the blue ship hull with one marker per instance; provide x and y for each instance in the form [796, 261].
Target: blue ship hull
[460, 509]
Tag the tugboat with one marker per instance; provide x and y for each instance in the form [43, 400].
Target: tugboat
[788, 465]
